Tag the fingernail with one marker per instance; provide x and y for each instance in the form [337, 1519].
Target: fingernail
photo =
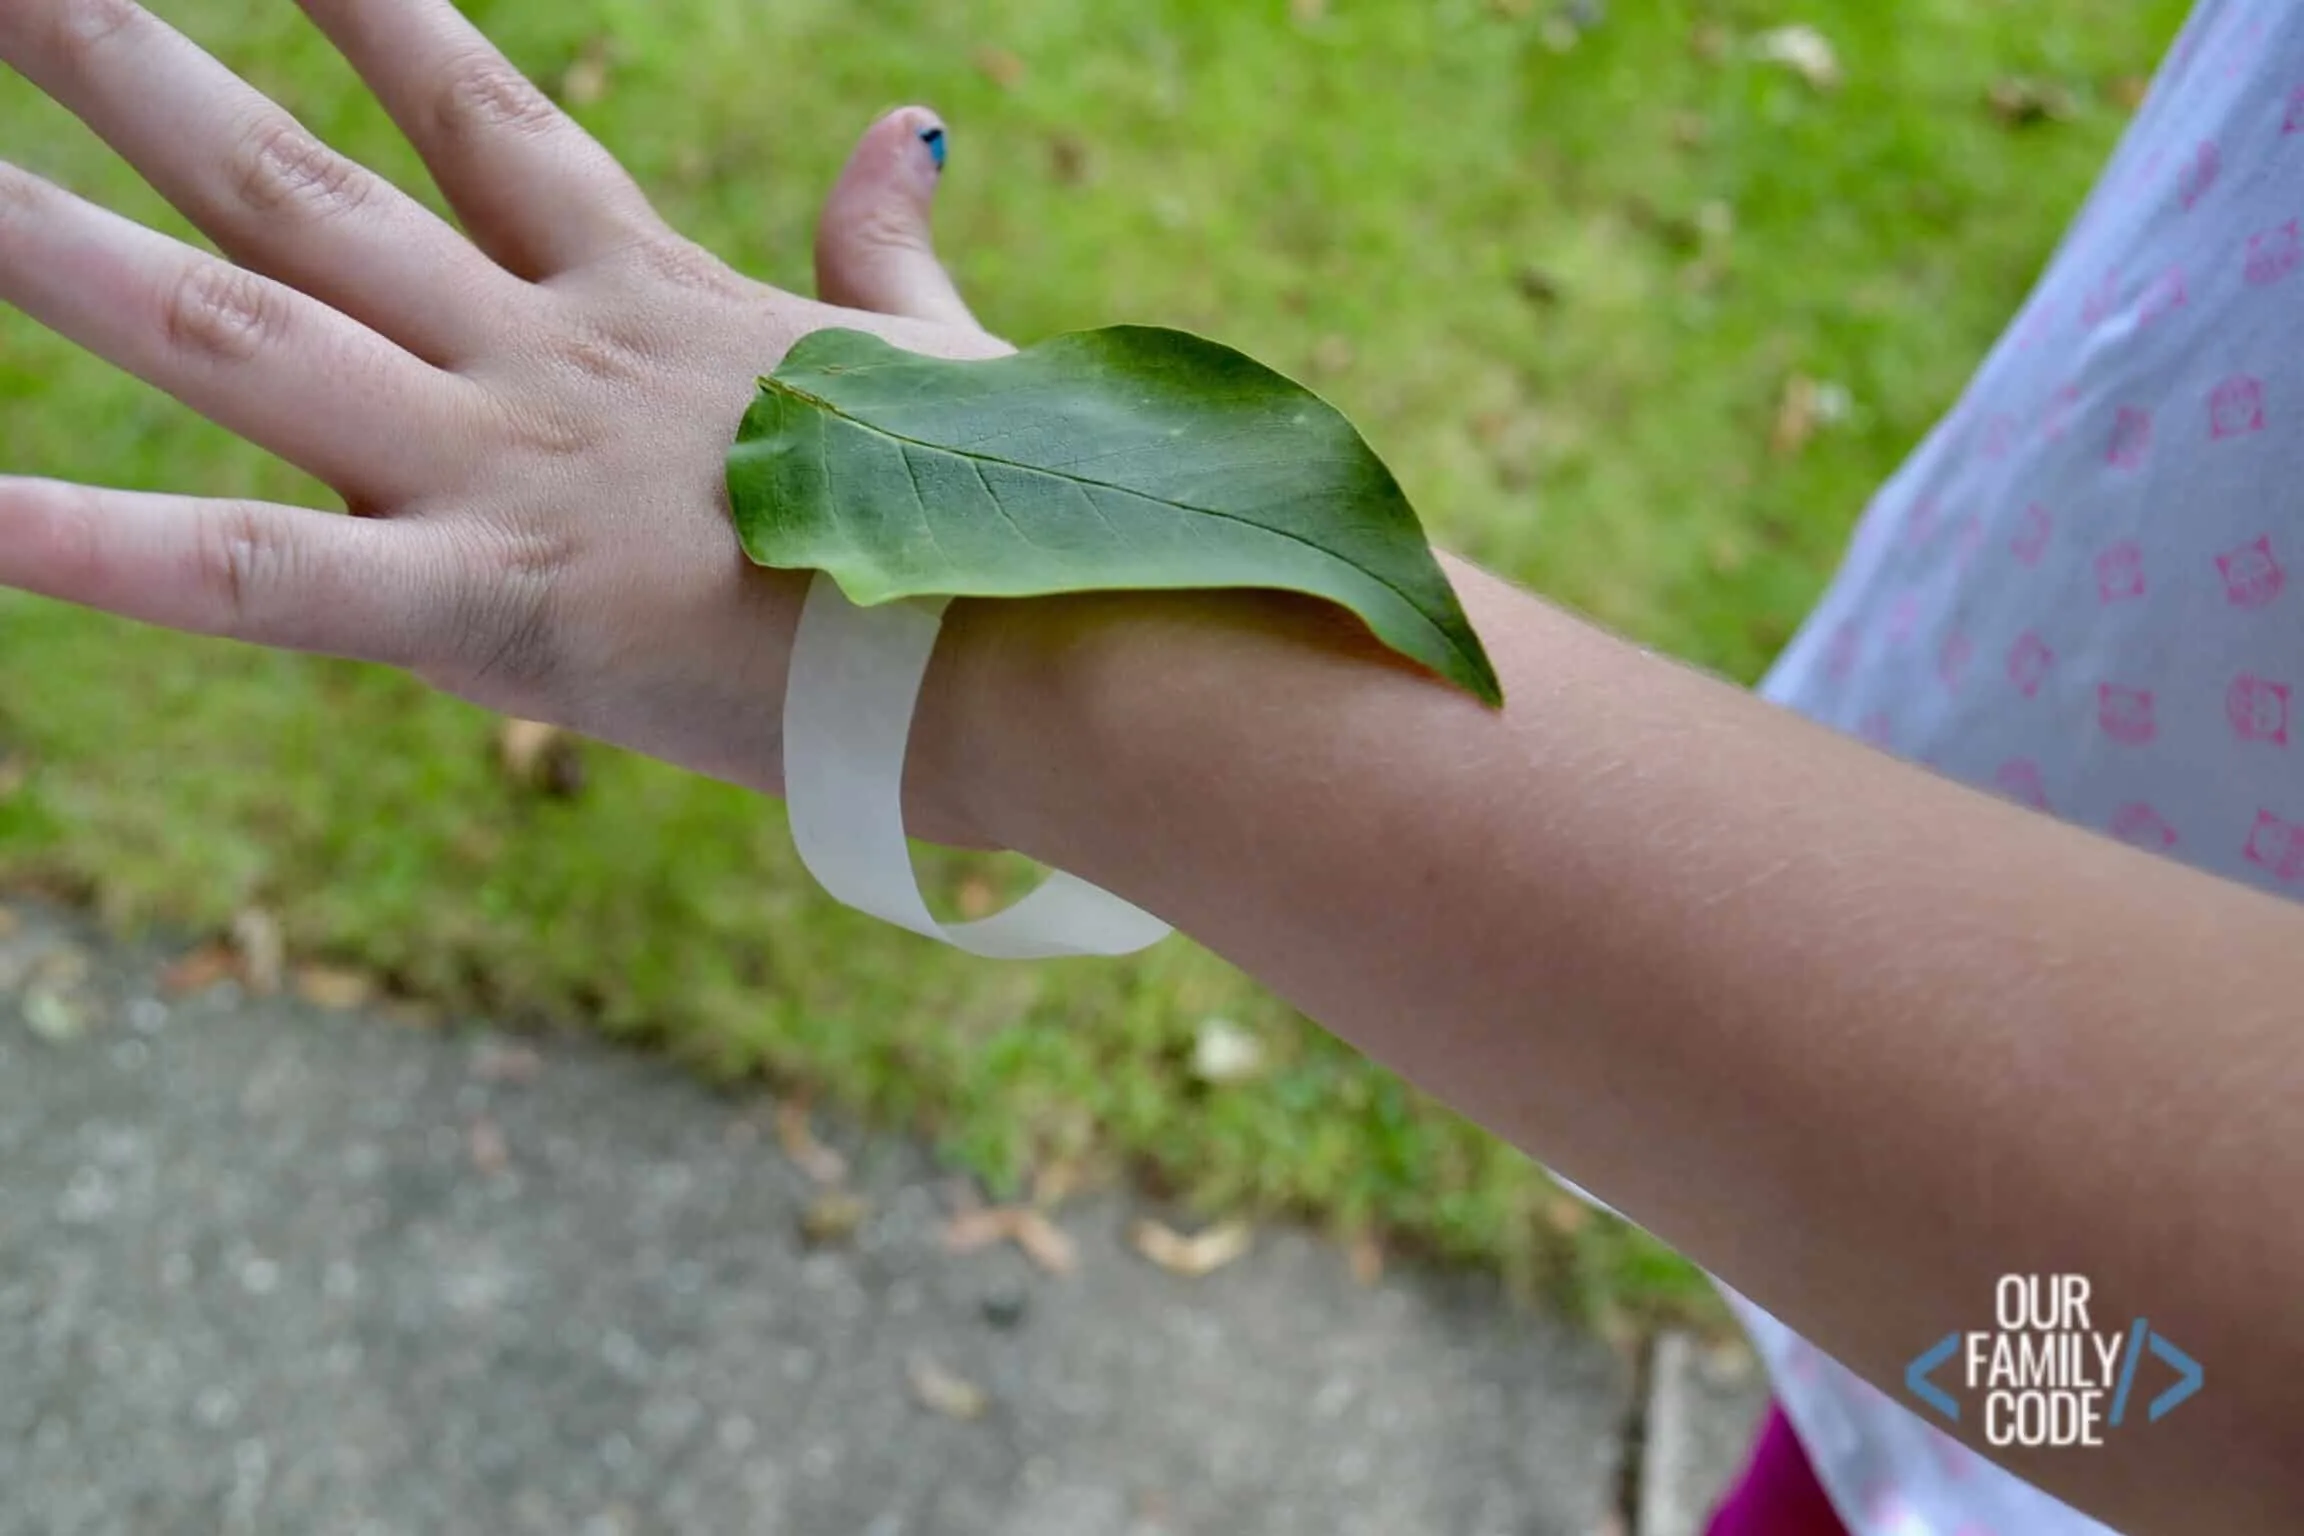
[934, 139]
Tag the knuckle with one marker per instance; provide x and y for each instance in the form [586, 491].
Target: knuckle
[556, 433]
[598, 355]
[74, 534]
[485, 94]
[543, 427]
[685, 265]
[221, 312]
[282, 167]
[23, 195]
[241, 560]
[81, 26]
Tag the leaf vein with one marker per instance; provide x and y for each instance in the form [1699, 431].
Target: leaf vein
[1001, 507]
[904, 453]
[906, 444]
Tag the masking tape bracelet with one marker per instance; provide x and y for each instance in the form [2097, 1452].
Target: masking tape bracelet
[855, 677]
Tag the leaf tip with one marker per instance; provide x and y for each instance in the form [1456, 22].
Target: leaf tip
[1481, 681]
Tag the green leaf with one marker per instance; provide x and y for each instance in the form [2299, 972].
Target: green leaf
[1128, 457]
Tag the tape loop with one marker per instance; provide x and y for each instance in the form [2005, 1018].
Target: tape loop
[855, 679]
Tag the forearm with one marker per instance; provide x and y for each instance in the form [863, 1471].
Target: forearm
[1856, 1038]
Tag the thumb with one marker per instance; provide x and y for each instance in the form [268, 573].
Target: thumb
[873, 249]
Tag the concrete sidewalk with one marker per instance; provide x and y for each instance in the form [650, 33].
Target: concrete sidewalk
[267, 1267]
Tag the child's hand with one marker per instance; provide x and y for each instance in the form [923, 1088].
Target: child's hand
[527, 420]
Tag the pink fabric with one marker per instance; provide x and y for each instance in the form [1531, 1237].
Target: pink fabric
[1778, 1494]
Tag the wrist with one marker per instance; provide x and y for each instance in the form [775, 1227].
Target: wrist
[941, 796]
[1042, 719]
[1000, 734]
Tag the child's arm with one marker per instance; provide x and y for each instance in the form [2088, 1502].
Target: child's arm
[1857, 1038]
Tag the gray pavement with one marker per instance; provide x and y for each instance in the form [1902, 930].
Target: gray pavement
[1703, 1405]
[270, 1267]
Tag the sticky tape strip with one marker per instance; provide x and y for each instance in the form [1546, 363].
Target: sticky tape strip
[855, 678]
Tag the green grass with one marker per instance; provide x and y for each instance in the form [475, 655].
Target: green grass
[1561, 291]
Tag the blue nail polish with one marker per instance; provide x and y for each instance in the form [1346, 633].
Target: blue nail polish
[934, 139]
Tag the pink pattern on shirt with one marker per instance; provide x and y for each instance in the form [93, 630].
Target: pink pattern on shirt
[1952, 660]
[2020, 780]
[2125, 713]
[2120, 572]
[2058, 414]
[2163, 298]
[2274, 253]
[2097, 304]
[1920, 522]
[2031, 541]
[2028, 662]
[2252, 574]
[1840, 657]
[2143, 826]
[2276, 844]
[2131, 438]
[2199, 174]
[2258, 709]
[1903, 618]
[2236, 407]
[2294, 121]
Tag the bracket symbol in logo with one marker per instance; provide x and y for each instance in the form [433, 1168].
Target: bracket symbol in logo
[2189, 1375]
[1916, 1377]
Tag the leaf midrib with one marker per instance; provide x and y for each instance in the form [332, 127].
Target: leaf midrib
[829, 408]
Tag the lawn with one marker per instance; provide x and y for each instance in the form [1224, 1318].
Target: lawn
[1566, 282]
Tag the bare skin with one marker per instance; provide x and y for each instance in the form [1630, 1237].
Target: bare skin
[1856, 1038]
